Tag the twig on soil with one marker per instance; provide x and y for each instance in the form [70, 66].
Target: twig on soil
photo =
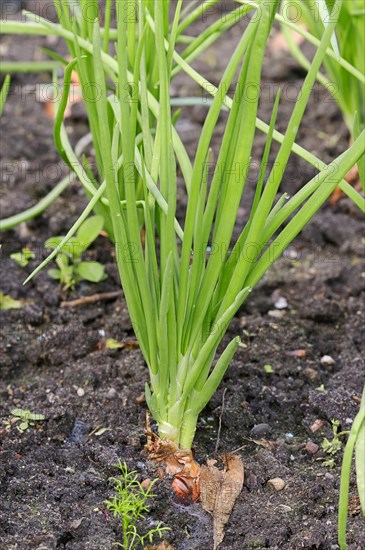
[220, 423]
[92, 299]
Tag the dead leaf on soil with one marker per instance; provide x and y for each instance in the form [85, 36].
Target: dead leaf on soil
[219, 490]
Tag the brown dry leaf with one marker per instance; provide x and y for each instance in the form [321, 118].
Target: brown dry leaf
[130, 344]
[219, 490]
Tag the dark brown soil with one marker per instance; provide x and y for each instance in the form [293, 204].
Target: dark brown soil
[53, 484]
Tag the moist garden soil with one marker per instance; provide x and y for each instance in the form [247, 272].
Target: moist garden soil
[55, 476]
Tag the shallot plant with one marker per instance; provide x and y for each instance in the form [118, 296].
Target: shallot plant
[345, 61]
[181, 299]
[347, 50]
[76, 18]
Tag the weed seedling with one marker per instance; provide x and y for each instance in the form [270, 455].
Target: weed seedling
[129, 506]
[332, 447]
[7, 302]
[71, 269]
[23, 258]
[26, 419]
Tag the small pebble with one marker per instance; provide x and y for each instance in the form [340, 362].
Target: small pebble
[51, 398]
[310, 373]
[250, 481]
[281, 303]
[80, 392]
[292, 254]
[146, 483]
[23, 231]
[260, 430]
[277, 483]
[317, 424]
[112, 394]
[311, 447]
[276, 313]
[76, 523]
[327, 361]
[289, 437]
[140, 398]
[329, 476]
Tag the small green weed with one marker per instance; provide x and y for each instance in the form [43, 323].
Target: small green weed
[23, 258]
[71, 269]
[111, 343]
[7, 302]
[332, 447]
[25, 417]
[129, 505]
